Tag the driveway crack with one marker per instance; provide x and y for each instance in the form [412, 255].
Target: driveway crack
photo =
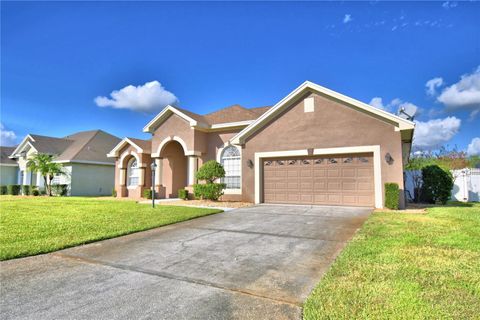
[170, 276]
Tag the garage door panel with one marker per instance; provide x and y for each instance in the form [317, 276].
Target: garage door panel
[326, 180]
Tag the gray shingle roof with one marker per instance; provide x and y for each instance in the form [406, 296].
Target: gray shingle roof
[5, 152]
[89, 146]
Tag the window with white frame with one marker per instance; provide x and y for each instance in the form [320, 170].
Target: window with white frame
[231, 162]
[132, 173]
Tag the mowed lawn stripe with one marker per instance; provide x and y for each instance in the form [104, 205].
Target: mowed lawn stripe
[35, 225]
[406, 266]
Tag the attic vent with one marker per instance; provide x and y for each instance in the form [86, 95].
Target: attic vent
[309, 104]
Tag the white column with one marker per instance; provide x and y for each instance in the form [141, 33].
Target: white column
[121, 176]
[141, 176]
[192, 169]
[158, 171]
[39, 180]
[26, 174]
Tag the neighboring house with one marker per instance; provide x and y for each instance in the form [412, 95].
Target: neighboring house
[8, 167]
[315, 146]
[83, 155]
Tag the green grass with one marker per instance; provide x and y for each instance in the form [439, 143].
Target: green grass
[30, 226]
[406, 266]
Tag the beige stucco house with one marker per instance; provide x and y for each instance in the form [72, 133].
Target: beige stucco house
[315, 146]
[83, 156]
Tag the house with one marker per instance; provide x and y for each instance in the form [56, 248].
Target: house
[83, 155]
[315, 146]
[8, 167]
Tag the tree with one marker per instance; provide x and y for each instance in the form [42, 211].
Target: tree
[452, 160]
[437, 184]
[43, 164]
[209, 172]
[414, 169]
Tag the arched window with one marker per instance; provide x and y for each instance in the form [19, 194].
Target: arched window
[231, 161]
[132, 173]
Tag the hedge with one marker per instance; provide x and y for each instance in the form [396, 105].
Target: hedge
[59, 189]
[183, 194]
[26, 190]
[13, 189]
[147, 193]
[210, 191]
[437, 184]
[3, 190]
[392, 195]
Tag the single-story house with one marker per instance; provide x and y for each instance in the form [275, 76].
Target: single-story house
[83, 155]
[315, 146]
[8, 167]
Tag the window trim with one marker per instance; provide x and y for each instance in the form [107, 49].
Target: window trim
[219, 160]
[128, 173]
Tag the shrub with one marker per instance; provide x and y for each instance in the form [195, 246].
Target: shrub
[35, 192]
[60, 189]
[26, 190]
[114, 193]
[3, 190]
[183, 194]
[13, 189]
[211, 191]
[392, 195]
[437, 184]
[209, 172]
[147, 193]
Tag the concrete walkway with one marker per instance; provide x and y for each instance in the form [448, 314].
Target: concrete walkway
[252, 263]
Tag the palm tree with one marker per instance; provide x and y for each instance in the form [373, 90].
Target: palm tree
[43, 164]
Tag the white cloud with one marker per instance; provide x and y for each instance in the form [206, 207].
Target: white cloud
[347, 18]
[7, 137]
[434, 133]
[465, 94]
[395, 106]
[433, 84]
[150, 97]
[473, 148]
[449, 4]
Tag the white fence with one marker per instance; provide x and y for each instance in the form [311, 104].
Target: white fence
[466, 186]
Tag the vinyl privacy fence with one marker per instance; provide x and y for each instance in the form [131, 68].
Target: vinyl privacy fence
[466, 185]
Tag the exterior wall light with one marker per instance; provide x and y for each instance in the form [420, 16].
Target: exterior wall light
[250, 163]
[389, 158]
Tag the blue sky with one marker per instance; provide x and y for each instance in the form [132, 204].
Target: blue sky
[57, 57]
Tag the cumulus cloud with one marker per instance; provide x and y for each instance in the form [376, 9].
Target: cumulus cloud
[395, 106]
[347, 18]
[473, 148]
[434, 133]
[463, 95]
[433, 84]
[150, 97]
[7, 137]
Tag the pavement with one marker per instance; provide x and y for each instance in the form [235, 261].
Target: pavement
[259, 262]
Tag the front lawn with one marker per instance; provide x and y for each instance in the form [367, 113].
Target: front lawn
[406, 266]
[34, 225]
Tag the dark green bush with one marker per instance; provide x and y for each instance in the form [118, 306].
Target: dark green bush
[437, 184]
[26, 189]
[35, 192]
[3, 190]
[210, 191]
[392, 195]
[147, 193]
[183, 194]
[210, 171]
[13, 189]
[60, 189]
[114, 193]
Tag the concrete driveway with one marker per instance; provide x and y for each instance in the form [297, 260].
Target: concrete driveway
[251, 263]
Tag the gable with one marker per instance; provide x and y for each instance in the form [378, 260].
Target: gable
[308, 88]
[330, 124]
